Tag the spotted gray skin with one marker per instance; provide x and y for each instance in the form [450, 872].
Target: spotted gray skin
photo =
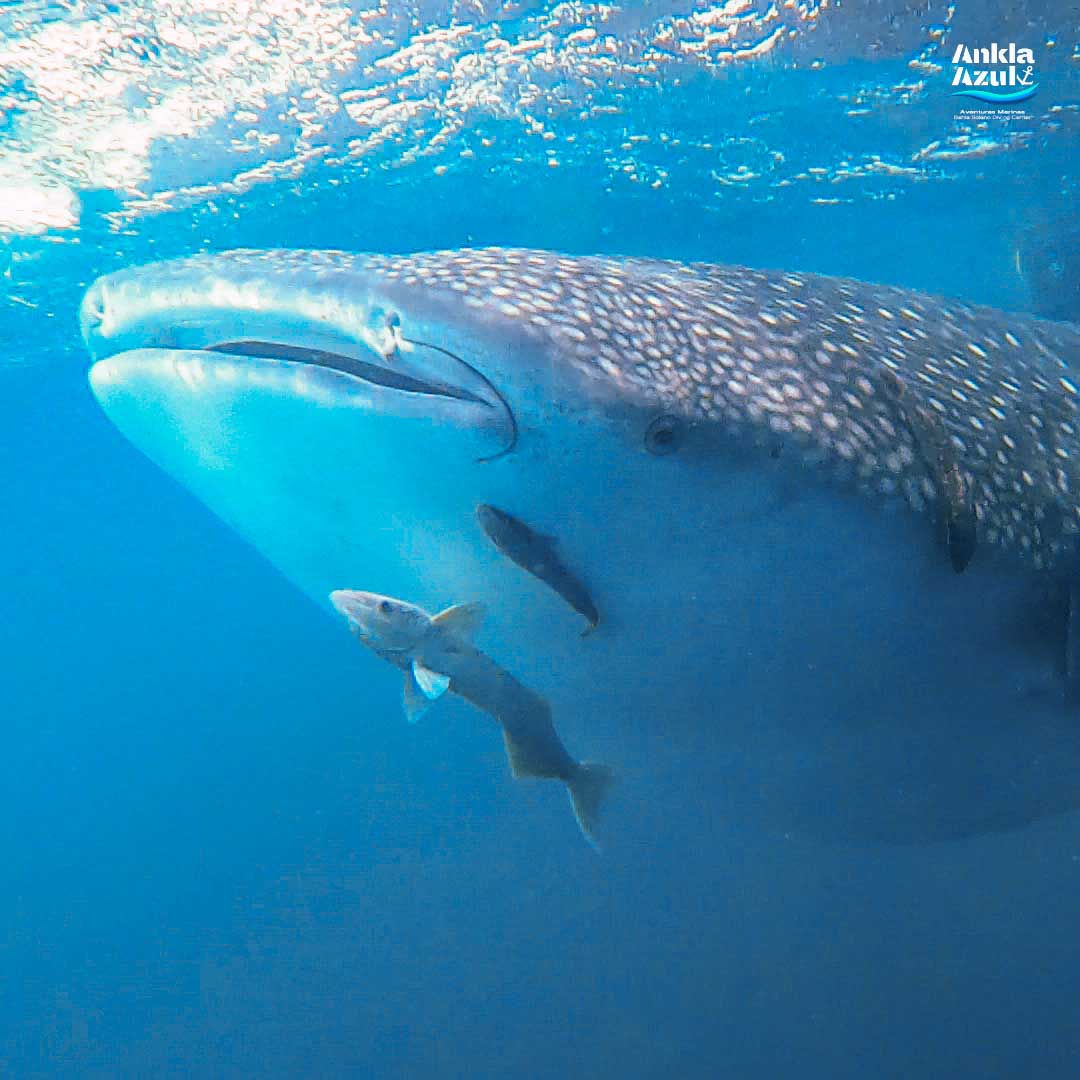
[799, 357]
[803, 357]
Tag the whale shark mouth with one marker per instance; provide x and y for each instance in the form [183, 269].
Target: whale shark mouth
[349, 365]
[412, 378]
[331, 337]
[378, 375]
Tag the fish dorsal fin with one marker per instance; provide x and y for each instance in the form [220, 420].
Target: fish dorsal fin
[433, 683]
[462, 619]
[413, 700]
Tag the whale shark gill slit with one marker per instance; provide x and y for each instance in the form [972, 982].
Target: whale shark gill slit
[347, 365]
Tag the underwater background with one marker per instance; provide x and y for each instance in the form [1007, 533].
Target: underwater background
[224, 853]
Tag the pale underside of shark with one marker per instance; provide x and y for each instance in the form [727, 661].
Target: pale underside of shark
[733, 463]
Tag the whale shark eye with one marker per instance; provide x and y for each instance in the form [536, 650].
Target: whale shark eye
[664, 435]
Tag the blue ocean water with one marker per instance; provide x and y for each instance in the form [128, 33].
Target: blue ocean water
[224, 852]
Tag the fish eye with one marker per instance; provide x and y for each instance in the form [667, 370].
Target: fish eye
[385, 607]
[664, 435]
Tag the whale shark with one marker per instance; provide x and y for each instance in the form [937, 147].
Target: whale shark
[766, 481]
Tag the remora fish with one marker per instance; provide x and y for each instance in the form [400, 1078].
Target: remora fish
[335, 408]
[436, 654]
[536, 553]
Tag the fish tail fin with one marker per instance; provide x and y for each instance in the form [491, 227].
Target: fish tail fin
[588, 788]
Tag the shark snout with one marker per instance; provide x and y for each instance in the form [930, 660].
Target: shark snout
[347, 602]
[360, 608]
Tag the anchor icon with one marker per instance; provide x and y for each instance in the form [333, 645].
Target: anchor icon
[1025, 79]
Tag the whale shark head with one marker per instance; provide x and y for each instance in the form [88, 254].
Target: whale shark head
[347, 414]
[488, 341]
[337, 333]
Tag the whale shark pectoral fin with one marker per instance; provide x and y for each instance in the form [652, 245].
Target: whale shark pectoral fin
[413, 700]
[433, 684]
[464, 620]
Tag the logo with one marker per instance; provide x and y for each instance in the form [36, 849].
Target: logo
[999, 74]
